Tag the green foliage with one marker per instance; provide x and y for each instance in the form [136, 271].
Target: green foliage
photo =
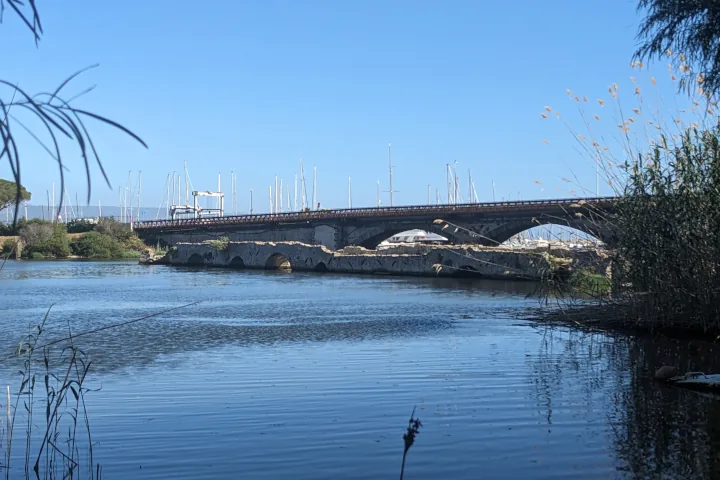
[690, 28]
[668, 222]
[9, 245]
[46, 239]
[80, 226]
[115, 229]
[96, 245]
[8, 193]
[109, 239]
[591, 284]
[221, 243]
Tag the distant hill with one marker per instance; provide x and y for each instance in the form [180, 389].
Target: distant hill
[87, 211]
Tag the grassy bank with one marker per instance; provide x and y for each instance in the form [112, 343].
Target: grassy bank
[106, 239]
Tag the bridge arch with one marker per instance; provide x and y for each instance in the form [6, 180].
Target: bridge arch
[371, 237]
[278, 261]
[237, 263]
[195, 260]
[320, 267]
[505, 232]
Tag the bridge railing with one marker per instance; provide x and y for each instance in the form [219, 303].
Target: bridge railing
[308, 215]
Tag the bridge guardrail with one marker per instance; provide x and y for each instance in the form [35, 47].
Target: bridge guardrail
[364, 212]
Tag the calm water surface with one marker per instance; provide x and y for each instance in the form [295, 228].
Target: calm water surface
[311, 376]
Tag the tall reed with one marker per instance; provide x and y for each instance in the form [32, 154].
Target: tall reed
[666, 173]
[53, 388]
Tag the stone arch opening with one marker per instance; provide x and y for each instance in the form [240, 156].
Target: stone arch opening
[196, 260]
[237, 263]
[320, 267]
[278, 261]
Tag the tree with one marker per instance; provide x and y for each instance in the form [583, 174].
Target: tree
[55, 112]
[9, 193]
[688, 33]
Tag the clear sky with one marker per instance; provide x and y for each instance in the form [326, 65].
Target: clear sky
[251, 86]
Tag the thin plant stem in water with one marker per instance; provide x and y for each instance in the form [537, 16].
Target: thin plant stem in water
[413, 429]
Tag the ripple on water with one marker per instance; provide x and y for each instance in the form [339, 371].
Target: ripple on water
[314, 376]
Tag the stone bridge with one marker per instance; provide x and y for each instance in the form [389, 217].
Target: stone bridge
[479, 223]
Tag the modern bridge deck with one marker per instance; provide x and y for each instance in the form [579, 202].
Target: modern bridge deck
[534, 206]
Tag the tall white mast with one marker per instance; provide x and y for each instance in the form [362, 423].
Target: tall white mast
[295, 205]
[138, 193]
[455, 195]
[167, 195]
[470, 187]
[303, 187]
[289, 205]
[251, 201]
[390, 168]
[448, 173]
[275, 204]
[493, 185]
[428, 194]
[187, 185]
[271, 198]
[314, 205]
[280, 197]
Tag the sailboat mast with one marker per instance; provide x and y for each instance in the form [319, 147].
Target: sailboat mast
[314, 187]
[295, 205]
[390, 171]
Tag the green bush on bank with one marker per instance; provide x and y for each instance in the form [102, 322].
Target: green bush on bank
[46, 239]
[80, 226]
[96, 245]
[106, 239]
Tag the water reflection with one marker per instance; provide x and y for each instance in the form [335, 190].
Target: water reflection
[657, 431]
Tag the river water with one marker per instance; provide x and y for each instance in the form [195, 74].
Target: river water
[312, 376]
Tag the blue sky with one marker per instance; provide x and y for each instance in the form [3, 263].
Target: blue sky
[251, 86]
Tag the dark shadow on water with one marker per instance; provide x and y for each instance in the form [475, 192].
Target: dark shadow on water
[657, 431]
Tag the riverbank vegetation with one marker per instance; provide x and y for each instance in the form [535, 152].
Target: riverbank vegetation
[106, 239]
[666, 223]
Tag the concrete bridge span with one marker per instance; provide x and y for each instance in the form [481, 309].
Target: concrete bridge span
[479, 223]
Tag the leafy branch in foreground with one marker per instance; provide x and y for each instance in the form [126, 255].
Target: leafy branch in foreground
[688, 26]
[53, 112]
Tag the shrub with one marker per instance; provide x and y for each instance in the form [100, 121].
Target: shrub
[219, 244]
[117, 230]
[80, 226]
[46, 239]
[96, 245]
